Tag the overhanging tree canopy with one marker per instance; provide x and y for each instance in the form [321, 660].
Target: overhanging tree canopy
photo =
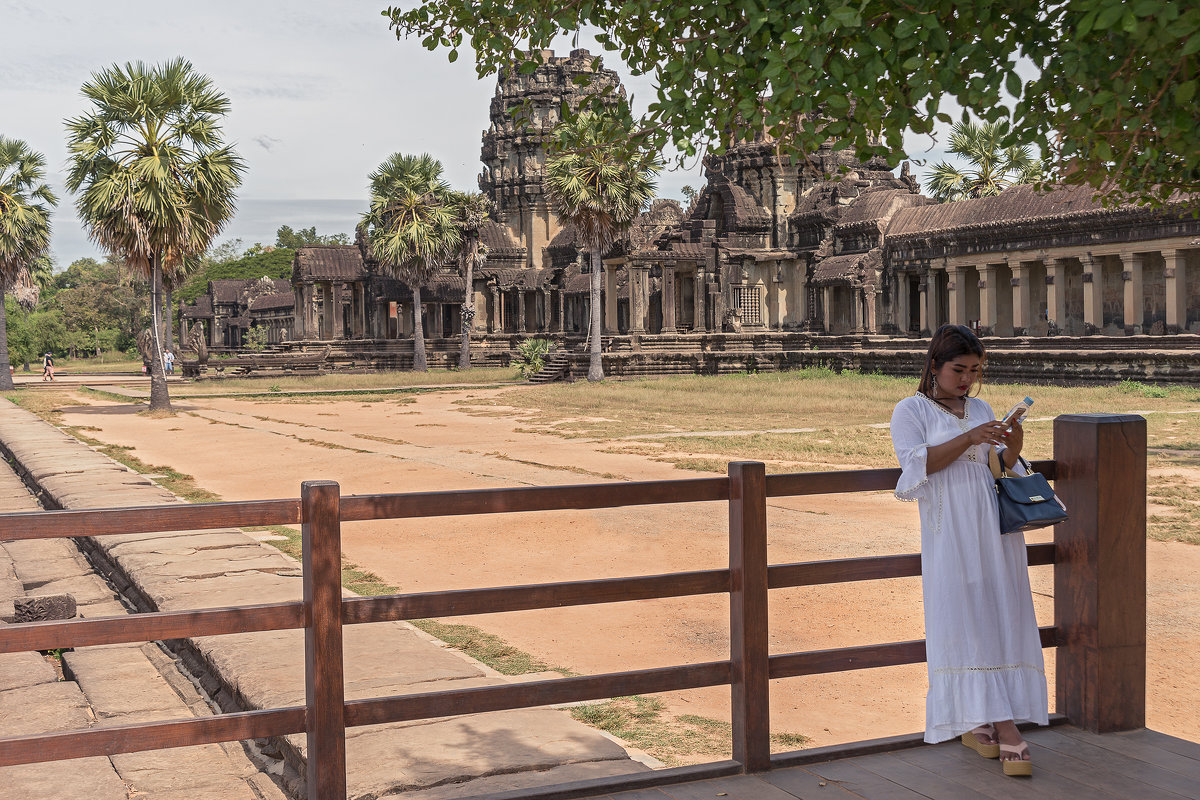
[1110, 102]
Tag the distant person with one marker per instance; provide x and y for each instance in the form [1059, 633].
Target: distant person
[984, 653]
[169, 362]
[47, 367]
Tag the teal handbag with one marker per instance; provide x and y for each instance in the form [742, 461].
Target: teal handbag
[1026, 502]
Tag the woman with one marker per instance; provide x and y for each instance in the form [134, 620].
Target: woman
[47, 367]
[984, 652]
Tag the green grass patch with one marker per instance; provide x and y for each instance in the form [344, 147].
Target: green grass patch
[686, 739]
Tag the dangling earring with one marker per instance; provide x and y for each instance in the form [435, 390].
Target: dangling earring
[932, 385]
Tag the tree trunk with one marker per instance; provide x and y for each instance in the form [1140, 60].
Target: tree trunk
[420, 364]
[6, 381]
[160, 400]
[167, 329]
[468, 309]
[595, 331]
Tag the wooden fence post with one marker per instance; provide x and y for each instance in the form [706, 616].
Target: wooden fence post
[1100, 570]
[325, 724]
[748, 653]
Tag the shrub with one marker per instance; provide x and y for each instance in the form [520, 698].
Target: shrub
[531, 356]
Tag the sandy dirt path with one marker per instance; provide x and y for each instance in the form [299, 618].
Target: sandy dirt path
[245, 449]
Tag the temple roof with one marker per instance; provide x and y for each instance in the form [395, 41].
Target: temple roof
[273, 301]
[201, 308]
[228, 290]
[328, 262]
[1021, 203]
[499, 239]
[880, 205]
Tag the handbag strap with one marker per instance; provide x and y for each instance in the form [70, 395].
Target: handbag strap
[996, 463]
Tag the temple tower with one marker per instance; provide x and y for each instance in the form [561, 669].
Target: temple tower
[524, 111]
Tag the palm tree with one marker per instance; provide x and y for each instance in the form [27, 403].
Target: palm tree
[410, 228]
[992, 168]
[25, 202]
[155, 179]
[471, 210]
[598, 179]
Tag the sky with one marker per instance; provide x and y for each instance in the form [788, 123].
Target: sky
[321, 92]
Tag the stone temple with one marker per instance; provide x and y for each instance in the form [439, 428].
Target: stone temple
[775, 255]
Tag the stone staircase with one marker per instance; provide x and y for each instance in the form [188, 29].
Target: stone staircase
[556, 368]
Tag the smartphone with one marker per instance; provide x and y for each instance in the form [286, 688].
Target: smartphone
[1016, 412]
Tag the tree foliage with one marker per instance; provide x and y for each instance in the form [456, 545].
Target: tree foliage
[25, 203]
[155, 180]
[471, 210]
[410, 227]
[991, 168]
[294, 240]
[599, 179]
[1110, 100]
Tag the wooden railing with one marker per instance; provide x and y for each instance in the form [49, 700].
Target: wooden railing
[1099, 630]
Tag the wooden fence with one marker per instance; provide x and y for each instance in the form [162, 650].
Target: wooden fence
[1099, 629]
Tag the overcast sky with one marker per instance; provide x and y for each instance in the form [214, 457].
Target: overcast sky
[321, 92]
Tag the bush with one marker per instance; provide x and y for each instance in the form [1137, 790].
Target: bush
[531, 356]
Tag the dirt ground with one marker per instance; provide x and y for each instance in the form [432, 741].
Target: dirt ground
[248, 449]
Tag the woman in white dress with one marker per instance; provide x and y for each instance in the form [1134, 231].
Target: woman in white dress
[984, 653]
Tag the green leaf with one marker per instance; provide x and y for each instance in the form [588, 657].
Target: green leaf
[912, 62]
[1186, 91]
[1107, 17]
[846, 17]
[1012, 84]
[1192, 46]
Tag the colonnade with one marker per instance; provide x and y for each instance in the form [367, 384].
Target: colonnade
[1129, 289]
[321, 310]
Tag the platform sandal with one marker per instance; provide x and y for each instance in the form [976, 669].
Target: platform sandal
[986, 750]
[1019, 765]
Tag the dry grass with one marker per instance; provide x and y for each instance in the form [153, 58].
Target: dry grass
[374, 382]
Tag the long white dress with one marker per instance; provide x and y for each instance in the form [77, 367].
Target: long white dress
[984, 652]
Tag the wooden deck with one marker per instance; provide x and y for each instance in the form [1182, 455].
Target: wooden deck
[1068, 762]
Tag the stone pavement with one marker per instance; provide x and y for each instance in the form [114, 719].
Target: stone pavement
[453, 757]
[111, 685]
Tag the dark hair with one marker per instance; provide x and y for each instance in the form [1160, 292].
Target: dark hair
[948, 343]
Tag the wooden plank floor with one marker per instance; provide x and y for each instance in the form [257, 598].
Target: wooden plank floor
[1068, 763]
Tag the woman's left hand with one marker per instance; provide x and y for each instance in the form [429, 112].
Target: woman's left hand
[1014, 438]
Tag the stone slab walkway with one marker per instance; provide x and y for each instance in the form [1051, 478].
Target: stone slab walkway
[454, 757]
[101, 686]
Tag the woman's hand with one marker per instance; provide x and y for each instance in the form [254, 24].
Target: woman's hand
[987, 433]
[1013, 440]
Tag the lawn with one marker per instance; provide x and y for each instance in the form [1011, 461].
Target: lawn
[815, 419]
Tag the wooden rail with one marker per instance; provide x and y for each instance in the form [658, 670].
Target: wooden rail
[1098, 642]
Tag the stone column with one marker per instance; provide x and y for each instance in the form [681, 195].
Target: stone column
[699, 318]
[1175, 275]
[1022, 299]
[1093, 294]
[562, 310]
[520, 296]
[310, 311]
[610, 298]
[1056, 292]
[667, 296]
[958, 293]
[337, 316]
[300, 330]
[1134, 303]
[924, 314]
[827, 297]
[326, 311]
[639, 297]
[989, 300]
[856, 301]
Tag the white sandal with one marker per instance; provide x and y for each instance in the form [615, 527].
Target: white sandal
[1019, 765]
[986, 750]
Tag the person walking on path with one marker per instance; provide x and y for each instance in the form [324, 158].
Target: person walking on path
[169, 362]
[984, 651]
[47, 367]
